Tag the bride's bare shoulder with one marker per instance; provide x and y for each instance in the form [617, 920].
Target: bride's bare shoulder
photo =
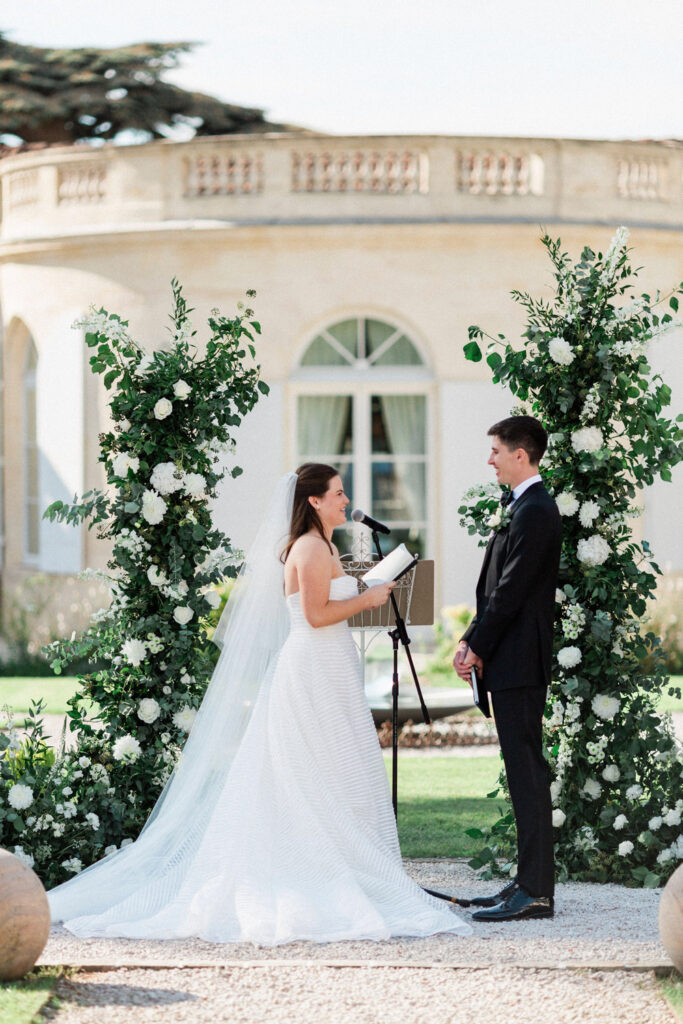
[309, 547]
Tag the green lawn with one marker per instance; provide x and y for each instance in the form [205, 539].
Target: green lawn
[439, 798]
[672, 988]
[21, 1001]
[18, 691]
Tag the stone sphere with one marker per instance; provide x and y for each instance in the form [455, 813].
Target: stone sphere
[24, 917]
[671, 917]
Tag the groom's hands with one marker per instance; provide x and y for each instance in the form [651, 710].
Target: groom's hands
[465, 659]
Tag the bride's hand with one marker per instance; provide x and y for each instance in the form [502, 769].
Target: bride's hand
[378, 595]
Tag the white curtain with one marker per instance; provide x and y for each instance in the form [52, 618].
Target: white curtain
[405, 422]
[322, 420]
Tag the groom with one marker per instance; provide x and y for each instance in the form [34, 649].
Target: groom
[510, 642]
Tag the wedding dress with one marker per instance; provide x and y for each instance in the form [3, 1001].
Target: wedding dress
[298, 841]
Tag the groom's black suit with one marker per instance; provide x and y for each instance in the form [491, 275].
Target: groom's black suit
[512, 633]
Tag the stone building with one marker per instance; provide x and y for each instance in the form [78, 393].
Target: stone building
[370, 256]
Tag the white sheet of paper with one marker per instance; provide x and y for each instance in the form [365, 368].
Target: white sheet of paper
[389, 568]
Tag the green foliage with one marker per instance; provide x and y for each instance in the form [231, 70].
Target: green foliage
[448, 629]
[174, 414]
[583, 371]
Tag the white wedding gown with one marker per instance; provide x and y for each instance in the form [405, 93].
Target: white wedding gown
[301, 842]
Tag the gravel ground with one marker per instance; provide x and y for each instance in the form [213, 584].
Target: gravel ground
[384, 995]
[596, 925]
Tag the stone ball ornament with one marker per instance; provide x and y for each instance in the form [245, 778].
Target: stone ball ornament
[24, 917]
[671, 917]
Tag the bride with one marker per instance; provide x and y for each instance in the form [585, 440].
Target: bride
[277, 822]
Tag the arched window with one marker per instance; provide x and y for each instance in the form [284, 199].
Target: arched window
[30, 445]
[362, 406]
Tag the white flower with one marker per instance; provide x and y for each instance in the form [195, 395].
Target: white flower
[127, 748]
[594, 550]
[156, 576]
[555, 789]
[69, 810]
[21, 854]
[134, 651]
[126, 842]
[182, 614]
[164, 478]
[567, 503]
[181, 389]
[619, 822]
[559, 817]
[73, 865]
[592, 788]
[587, 439]
[605, 707]
[153, 507]
[611, 773]
[672, 818]
[212, 598]
[144, 364]
[93, 821]
[148, 710]
[67, 791]
[110, 849]
[123, 462]
[664, 856]
[560, 351]
[625, 848]
[494, 520]
[163, 408]
[184, 719]
[20, 796]
[165, 737]
[633, 792]
[124, 426]
[167, 689]
[654, 824]
[590, 510]
[568, 657]
[182, 588]
[84, 761]
[194, 484]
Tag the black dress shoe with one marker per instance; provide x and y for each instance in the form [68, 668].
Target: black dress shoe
[493, 901]
[517, 907]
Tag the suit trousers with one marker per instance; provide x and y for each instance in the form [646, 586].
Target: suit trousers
[519, 716]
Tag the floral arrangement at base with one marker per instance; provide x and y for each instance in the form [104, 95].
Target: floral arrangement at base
[174, 413]
[583, 370]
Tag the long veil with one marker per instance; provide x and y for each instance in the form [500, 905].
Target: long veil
[141, 878]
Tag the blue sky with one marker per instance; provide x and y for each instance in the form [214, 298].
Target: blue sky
[578, 68]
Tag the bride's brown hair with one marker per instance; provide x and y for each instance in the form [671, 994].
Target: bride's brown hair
[313, 479]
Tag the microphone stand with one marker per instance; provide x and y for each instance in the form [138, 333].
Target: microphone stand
[399, 634]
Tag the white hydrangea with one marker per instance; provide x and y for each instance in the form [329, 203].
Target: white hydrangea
[559, 818]
[593, 550]
[20, 796]
[156, 576]
[153, 507]
[182, 614]
[567, 503]
[664, 856]
[605, 706]
[73, 865]
[611, 773]
[560, 351]
[184, 719]
[634, 791]
[654, 824]
[568, 657]
[620, 822]
[127, 748]
[194, 485]
[163, 408]
[164, 479]
[181, 389]
[672, 817]
[590, 510]
[555, 790]
[25, 858]
[134, 651]
[592, 788]
[587, 439]
[148, 710]
[123, 462]
[625, 848]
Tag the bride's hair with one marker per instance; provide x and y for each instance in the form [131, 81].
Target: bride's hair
[313, 479]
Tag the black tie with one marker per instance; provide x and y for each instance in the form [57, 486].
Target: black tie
[507, 498]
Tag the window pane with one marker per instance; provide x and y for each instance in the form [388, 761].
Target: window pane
[30, 414]
[32, 529]
[321, 353]
[324, 426]
[31, 471]
[346, 333]
[401, 353]
[399, 424]
[398, 490]
[414, 539]
[376, 333]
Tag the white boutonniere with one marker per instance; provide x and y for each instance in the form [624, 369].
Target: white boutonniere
[500, 519]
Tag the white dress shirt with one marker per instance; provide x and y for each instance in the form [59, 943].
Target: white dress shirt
[519, 490]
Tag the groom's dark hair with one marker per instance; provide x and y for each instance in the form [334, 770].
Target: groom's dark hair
[522, 432]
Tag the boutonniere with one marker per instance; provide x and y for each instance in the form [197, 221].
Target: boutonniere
[500, 519]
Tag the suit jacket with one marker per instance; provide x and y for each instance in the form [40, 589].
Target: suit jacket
[512, 631]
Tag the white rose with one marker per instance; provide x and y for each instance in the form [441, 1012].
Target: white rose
[567, 503]
[494, 520]
[93, 821]
[165, 737]
[633, 792]
[605, 707]
[611, 773]
[148, 710]
[181, 389]
[134, 651]
[625, 848]
[144, 364]
[153, 507]
[156, 576]
[126, 748]
[164, 479]
[194, 485]
[182, 614]
[619, 822]
[560, 351]
[555, 789]
[587, 439]
[593, 551]
[590, 510]
[184, 719]
[163, 408]
[123, 462]
[559, 818]
[20, 796]
[84, 762]
[592, 788]
[212, 598]
[568, 657]
[560, 596]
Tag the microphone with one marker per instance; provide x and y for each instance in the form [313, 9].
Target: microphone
[359, 516]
